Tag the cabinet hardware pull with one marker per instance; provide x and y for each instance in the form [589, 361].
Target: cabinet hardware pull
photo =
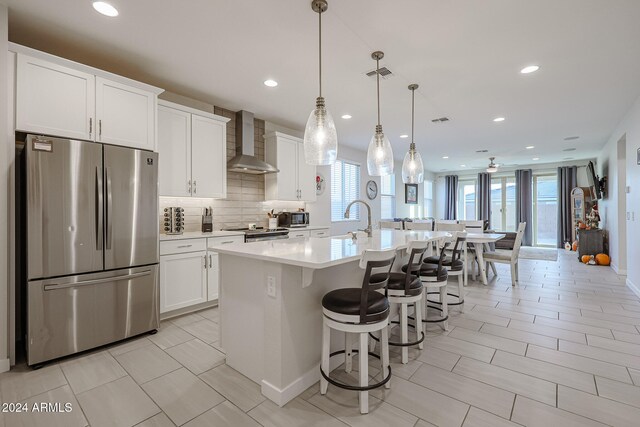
[228, 241]
[205, 261]
[189, 186]
[90, 126]
[185, 246]
[210, 263]
[195, 188]
[100, 128]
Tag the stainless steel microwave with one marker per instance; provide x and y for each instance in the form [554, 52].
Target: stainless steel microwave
[293, 219]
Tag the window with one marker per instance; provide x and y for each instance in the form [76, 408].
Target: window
[467, 199]
[503, 203]
[345, 188]
[545, 209]
[428, 199]
[388, 196]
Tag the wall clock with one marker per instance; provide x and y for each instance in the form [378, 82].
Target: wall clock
[372, 190]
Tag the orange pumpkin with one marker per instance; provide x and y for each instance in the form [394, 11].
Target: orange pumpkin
[585, 258]
[574, 246]
[582, 225]
[603, 259]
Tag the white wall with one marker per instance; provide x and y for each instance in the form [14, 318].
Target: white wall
[320, 210]
[629, 128]
[404, 210]
[6, 150]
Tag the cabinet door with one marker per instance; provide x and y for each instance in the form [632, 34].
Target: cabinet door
[183, 280]
[213, 277]
[126, 115]
[54, 100]
[306, 177]
[208, 157]
[287, 161]
[174, 147]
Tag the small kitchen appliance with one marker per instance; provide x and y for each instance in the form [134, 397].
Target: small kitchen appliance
[207, 221]
[293, 219]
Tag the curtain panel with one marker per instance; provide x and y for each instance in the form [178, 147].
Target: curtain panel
[483, 197]
[566, 183]
[451, 194]
[524, 203]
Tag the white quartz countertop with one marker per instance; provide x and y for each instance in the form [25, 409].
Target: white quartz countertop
[199, 235]
[316, 253]
[309, 228]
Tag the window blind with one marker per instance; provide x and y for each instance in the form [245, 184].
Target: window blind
[388, 196]
[345, 188]
[428, 198]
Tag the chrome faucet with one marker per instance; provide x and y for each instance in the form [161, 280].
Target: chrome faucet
[367, 230]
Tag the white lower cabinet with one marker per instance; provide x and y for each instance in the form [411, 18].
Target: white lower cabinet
[189, 272]
[183, 280]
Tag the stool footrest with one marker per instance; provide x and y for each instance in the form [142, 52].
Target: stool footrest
[432, 321]
[400, 344]
[353, 387]
[440, 303]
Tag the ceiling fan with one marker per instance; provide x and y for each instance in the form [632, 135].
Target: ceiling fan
[493, 167]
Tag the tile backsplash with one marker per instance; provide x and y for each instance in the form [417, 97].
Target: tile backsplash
[245, 202]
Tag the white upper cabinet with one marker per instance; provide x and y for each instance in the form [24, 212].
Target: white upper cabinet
[209, 156]
[296, 179]
[125, 114]
[174, 146]
[58, 97]
[54, 100]
[193, 152]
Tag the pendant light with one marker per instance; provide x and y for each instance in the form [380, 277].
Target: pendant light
[412, 167]
[492, 168]
[380, 153]
[320, 137]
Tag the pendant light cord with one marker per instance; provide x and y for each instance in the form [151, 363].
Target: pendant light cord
[378, 86]
[413, 114]
[320, 51]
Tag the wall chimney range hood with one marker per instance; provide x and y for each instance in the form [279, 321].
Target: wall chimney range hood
[245, 160]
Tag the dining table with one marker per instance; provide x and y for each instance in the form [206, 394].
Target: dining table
[480, 242]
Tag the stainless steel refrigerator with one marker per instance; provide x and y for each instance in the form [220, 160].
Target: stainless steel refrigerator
[90, 223]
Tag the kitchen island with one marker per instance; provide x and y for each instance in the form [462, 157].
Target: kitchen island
[270, 303]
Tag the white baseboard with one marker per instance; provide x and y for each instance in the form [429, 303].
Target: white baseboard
[615, 268]
[282, 396]
[633, 287]
[5, 365]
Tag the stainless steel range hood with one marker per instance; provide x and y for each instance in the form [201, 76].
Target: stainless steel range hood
[245, 160]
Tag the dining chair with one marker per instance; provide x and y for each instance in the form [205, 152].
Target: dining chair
[415, 225]
[506, 256]
[394, 225]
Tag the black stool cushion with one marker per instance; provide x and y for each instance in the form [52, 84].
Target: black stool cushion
[347, 301]
[431, 270]
[457, 264]
[397, 280]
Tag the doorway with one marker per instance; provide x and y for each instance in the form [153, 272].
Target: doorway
[621, 159]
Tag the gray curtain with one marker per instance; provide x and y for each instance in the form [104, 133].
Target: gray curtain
[566, 183]
[483, 197]
[451, 193]
[524, 203]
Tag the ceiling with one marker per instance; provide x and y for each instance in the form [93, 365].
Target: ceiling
[464, 54]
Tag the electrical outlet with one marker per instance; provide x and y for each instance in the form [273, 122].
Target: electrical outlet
[271, 286]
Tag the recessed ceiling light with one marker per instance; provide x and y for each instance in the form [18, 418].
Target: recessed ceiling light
[445, 157]
[270, 83]
[346, 116]
[536, 158]
[499, 119]
[463, 166]
[404, 135]
[105, 8]
[530, 147]
[571, 138]
[530, 69]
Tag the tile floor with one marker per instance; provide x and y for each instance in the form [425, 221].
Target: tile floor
[560, 349]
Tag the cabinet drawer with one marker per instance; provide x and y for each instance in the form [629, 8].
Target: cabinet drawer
[169, 247]
[212, 242]
[320, 233]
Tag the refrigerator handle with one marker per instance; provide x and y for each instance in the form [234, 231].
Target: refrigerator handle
[109, 209]
[99, 211]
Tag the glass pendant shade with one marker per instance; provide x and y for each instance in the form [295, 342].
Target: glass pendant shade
[379, 155]
[320, 137]
[412, 167]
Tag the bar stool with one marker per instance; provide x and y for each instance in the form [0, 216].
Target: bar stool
[454, 266]
[406, 288]
[359, 311]
[435, 276]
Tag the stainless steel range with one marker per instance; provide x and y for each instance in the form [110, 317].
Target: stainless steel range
[260, 234]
